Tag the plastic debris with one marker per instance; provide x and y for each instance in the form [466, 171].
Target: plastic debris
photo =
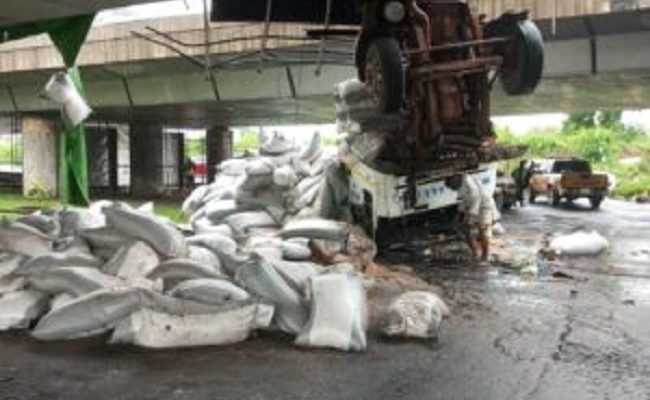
[416, 314]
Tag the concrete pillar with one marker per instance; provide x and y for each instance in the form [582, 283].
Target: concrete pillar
[40, 160]
[218, 147]
[101, 142]
[146, 142]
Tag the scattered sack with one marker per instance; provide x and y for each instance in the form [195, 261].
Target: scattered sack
[11, 283]
[56, 260]
[88, 315]
[23, 239]
[75, 281]
[227, 325]
[579, 243]
[10, 263]
[209, 291]
[260, 278]
[136, 260]
[338, 313]
[296, 249]
[315, 228]
[19, 309]
[180, 269]
[415, 314]
[164, 238]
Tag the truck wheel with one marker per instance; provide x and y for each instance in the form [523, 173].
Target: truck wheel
[383, 73]
[595, 202]
[531, 197]
[525, 63]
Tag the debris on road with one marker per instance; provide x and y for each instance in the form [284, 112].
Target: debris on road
[257, 255]
[579, 243]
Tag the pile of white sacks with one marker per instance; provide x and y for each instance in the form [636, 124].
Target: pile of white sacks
[246, 262]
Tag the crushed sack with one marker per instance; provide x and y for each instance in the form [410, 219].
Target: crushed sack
[260, 278]
[579, 243]
[276, 144]
[209, 291]
[75, 281]
[56, 260]
[74, 220]
[9, 263]
[18, 309]
[195, 199]
[217, 211]
[180, 269]
[205, 257]
[296, 249]
[230, 324]
[415, 314]
[88, 315]
[285, 177]
[164, 238]
[45, 224]
[337, 317]
[11, 283]
[315, 228]
[241, 223]
[223, 246]
[136, 260]
[23, 239]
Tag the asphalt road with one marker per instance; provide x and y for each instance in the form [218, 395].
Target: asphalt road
[509, 338]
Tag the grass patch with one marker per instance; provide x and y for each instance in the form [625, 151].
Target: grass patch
[14, 205]
[605, 146]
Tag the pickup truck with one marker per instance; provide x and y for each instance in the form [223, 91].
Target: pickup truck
[567, 178]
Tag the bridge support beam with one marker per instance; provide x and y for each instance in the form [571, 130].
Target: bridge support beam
[40, 162]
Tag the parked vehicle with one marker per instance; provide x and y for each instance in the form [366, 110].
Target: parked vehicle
[567, 178]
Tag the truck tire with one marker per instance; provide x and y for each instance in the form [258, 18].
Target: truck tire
[523, 71]
[531, 197]
[383, 73]
[595, 202]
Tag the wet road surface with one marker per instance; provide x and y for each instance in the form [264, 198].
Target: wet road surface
[508, 338]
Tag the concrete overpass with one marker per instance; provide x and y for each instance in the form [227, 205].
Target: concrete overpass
[593, 61]
[600, 60]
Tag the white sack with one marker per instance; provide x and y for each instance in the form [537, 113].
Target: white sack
[315, 228]
[11, 283]
[260, 278]
[580, 244]
[296, 249]
[62, 91]
[209, 291]
[153, 329]
[88, 315]
[75, 281]
[164, 238]
[23, 239]
[136, 260]
[56, 260]
[338, 313]
[19, 309]
[206, 257]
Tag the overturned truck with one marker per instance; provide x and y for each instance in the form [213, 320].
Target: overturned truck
[419, 110]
